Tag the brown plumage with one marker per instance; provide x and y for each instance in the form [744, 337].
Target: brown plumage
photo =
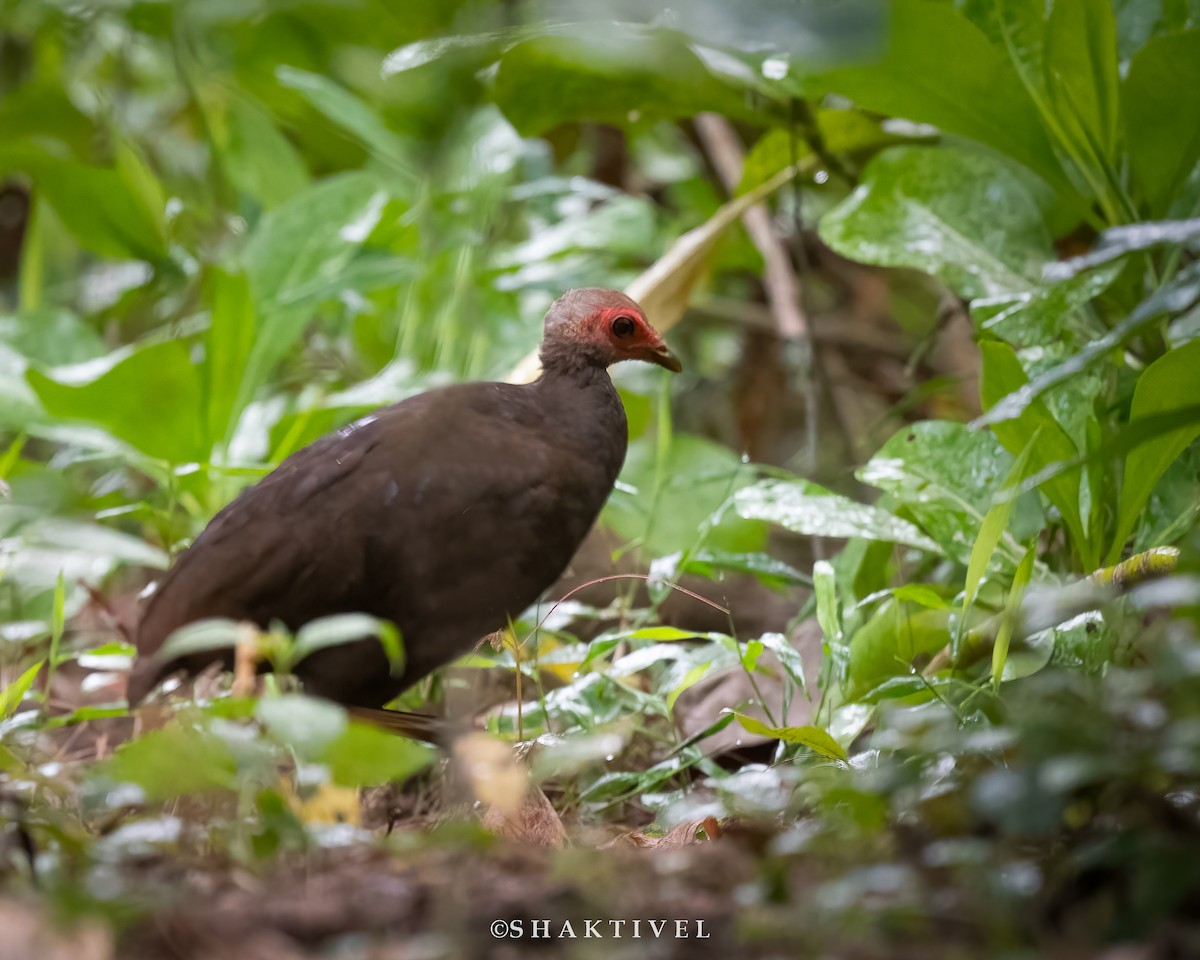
[447, 513]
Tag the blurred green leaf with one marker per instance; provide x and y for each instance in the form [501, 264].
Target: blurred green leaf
[1169, 384]
[938, 68]
[309, 725]
[343, 628]
[768, 569]
[112, 211]
[12, 695]
[347, 111]
[1174, 296]
[364, 756]
[841, 131]
[257, 158]
[825, 592]
[994, 526]
[200, 637]
[1161, 101]
[606, 73]
[300, 254]
[1081, 73]
[1118, 241]
[922, 595]
[150, 398]
[176, 760]
[298, 250]
[50, 336]
[964, 217]
[788, 656]
[1012, 610]
[228, 346]
[1049, 313]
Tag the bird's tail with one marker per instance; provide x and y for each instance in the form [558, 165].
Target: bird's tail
[417, 726]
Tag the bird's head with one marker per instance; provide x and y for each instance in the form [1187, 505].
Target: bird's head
[603, 327]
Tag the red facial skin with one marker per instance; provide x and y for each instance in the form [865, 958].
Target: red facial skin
[641, 342]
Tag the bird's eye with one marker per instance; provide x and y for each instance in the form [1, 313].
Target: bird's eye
[623, 326]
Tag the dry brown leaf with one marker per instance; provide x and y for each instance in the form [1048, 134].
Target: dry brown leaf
[682, 835]
[536, 823]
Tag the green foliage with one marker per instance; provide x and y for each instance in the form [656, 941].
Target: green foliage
[250, 226]
[967, 218]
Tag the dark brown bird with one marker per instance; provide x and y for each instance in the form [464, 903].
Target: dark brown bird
[446, 514]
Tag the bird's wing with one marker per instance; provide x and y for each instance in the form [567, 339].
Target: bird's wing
[416, 511]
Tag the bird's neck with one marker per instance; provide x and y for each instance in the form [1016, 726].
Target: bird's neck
[572, 358]
[588, 409]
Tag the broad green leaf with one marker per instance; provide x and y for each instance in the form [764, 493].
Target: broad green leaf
[421, 52]
[1173, 297]
[944, 475]
[1174, 504]
[300, 254]
[938, 68]
[1171, 383]
[890, 642]
[43, 111]
[1081, 73]
[964, 217]
[12, 695]
[78, 549]
[698, 476]
[804, 507]
[814, 738]
[1161, 100]
[176, 760]
[51, 337]
[1047, 314]
[1002, 375]
[606, 73]
[150, 398]
[298, 250]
